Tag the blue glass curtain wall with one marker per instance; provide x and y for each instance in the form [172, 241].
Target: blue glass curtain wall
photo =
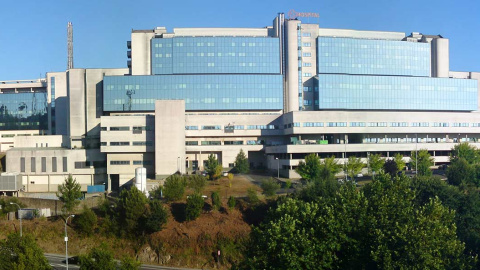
[374, 57]
[231, 55]
[357, 92]
[200, 92]
[23, 111]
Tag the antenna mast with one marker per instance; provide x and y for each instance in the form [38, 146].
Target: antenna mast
[70, 45]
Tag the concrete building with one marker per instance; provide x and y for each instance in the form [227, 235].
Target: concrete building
[279, 93]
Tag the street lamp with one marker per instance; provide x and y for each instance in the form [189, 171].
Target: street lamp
[178, 165]
[66, 240]
[278, 167]
[416, 155]
[19, 216]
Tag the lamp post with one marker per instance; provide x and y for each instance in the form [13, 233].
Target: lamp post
[66, 240]
[19, 216]
[178, 165]
[416, 155]
[278, 167]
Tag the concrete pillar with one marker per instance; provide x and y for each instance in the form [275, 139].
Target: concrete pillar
[109, 183]
[440, 57]
[48, 186]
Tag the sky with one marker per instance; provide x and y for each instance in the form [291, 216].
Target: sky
[33, 34]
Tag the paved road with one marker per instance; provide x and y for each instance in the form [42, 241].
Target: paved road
[58, 262]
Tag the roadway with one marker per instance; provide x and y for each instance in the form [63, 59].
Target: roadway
[58, 262]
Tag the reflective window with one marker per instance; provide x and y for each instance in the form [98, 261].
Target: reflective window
[22, 111]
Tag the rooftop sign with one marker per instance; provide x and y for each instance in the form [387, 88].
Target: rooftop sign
[292, 14]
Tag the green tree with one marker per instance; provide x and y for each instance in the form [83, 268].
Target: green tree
[354, 166]
[252, 196]
[460, 171]
[129, 263]
[131, 208]
[218, 172]
[156, 192]
[197, 183]
[376, 163]
[156, 217]
[466, 151]
[310, 169]
[231, 202]
[174, 187]
[398, 158]
[6, 207]
[21, 253]
[215, 200]
[270, 187]
[329, 168]
[211, 166]
[241, 163]
[99, 258]
[424, 161]
[69, 193]
[390, 167]
[194, 206]
[86, 222]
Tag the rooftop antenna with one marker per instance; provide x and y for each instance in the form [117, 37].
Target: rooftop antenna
[70, 45]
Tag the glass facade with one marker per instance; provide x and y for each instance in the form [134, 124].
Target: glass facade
[374, 57]
[52, 103]
[396, 93]
[23, 111]
[200, 92]
[227, 55]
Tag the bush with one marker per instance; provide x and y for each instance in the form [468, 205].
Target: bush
[197, 183]
[288, 184]
[231, 202]
[99, 258]
[28, 254]
[194, 206]
[156, 218]
[86, 222]
[252, 196]
[129, 263]
[156, 193]
[216, 200]
[174, 187]
[270, 187]
[6, 207]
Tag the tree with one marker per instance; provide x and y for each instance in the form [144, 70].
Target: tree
[86, 222]
[398, 158]
[354, 167]
[329, 168]
[174, 187]
[241, 163]
[252, 196]
[376, 163]
[231, 202]
[21, 253]
[424, 161]
[390, 167]
[466, 151]
[197, 183]
[156, 217]
[129, 263]
[310, 169]
[215, 200]
[218, 172]
[69, 193]
[270, 187]
[131, 208]
[99, 258]
[194, 206]
[460, 171]
[211, 166]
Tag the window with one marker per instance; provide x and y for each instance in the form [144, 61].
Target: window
[147, 143]
[119, 128]
[460, 125]
[307, 44]
[119, 143]
[54, 164]
[65, 167]
[357, 124]
[104, 128]
[307, 74]
[307, 89]
[119, 162]
[32, 164]
[307, 102]
[137, 162]
[211, 127]
[307, 54]
[439, 124]
[399, 124]
[306, 64]
[191, 127]
[103, 143]
[80, 165]
[233, 143]
[419, 124]
[377, 124]
[211, 143]
[313, 124]
[304, 34]
[336, 124]
[44, 164]
[22, 164]
[191, 142]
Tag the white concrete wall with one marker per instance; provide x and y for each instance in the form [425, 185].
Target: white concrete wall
[330, 32]
[440, 57]
[169, 136]
[292, 65]
[76, 105]
[39, 141]
[242, 32]
[61, 102]
[141, 64]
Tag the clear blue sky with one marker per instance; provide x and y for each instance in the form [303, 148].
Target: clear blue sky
[33, 33]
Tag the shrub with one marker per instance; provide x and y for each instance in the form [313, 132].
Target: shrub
[129, 263]
[270, 187]
[215, 200]
[156, 218]
[86, 222]
[252, 196]
[288, 184]
[194, 206]
[174, 187]
[98, 258]
[197, 183]
[231, 202]
[156, 192]
[241, 162]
